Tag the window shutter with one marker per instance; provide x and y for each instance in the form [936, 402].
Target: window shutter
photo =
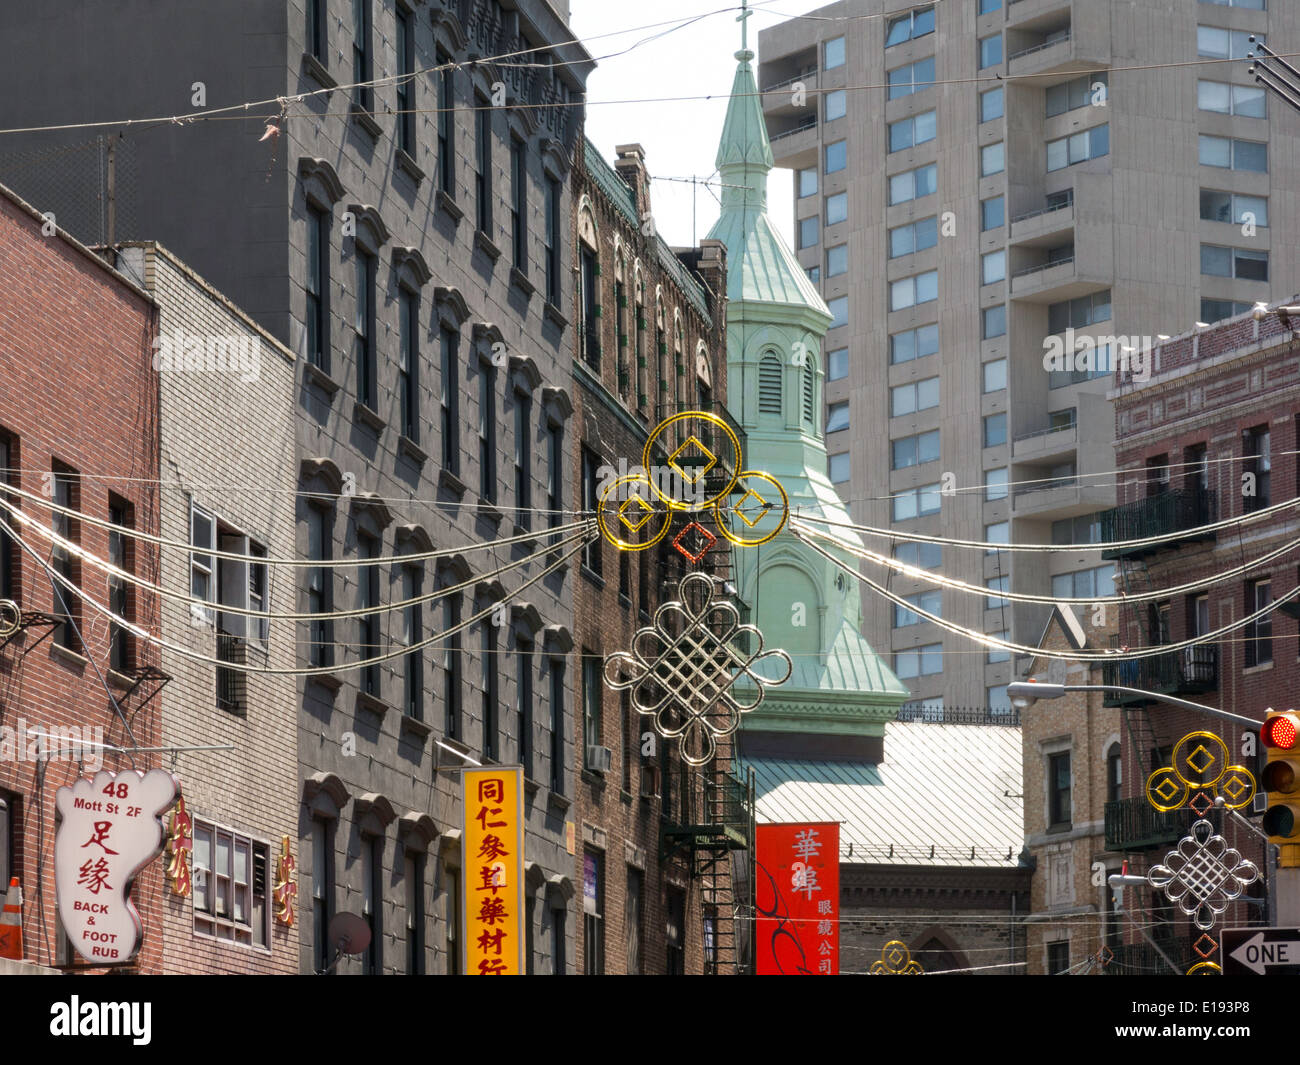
[769, 386]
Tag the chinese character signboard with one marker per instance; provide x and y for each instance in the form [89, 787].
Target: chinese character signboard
[493, 864]
[111, 828]
[797, 895]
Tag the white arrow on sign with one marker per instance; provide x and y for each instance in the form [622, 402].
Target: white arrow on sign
[1256, 955]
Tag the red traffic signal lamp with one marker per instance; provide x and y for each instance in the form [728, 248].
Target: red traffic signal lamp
[1280, 735]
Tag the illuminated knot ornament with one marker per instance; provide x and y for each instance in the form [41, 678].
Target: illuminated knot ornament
[1203, 875]
[896, 960]
[1197, 773]
[682, 669]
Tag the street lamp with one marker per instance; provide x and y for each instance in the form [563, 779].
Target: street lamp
[1024, 693]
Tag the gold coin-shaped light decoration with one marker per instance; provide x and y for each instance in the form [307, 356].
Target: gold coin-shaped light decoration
[1237, 786]
[1166, 790]
[1205, 968]
[629, 504]
[692, 447]
[1200, 759]
[759, 512]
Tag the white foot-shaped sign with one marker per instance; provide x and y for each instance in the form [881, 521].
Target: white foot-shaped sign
[111, 828]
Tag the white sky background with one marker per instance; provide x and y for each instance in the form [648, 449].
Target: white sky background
[680, 138]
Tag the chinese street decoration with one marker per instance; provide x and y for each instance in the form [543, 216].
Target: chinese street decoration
[11, 618]
[1203, 875]
[286, 886]
[636, 510]
[493, 864]
[1205, 968]
[797, 899]
[180, 847]
[111, 828]
[896, 960]
[1199, 772]
[682, 669]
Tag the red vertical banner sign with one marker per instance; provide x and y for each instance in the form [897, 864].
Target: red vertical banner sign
[797, 898]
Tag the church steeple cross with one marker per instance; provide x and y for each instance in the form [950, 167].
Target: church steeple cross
[743, 19]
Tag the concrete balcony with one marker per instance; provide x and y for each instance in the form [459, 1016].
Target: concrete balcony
[1054, 443]
[1059, 497]
[1044, 227]
[794, 143]
[778, 99]
[1025, 13]
[1060, 49]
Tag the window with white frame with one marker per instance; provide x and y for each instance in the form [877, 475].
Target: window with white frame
[231, 874]
[909, 291]
[913, 237]
[1244, 101]
[914, 450]
[1241, 263]
[914, 24]
[913, 396]
[905, 80]
[913, 343]
[993, 159]
[1234, 207]
[911, 131]
[1213, 42]
[1078, 147]
[1233, 154]
[916, 502]
[913, 184]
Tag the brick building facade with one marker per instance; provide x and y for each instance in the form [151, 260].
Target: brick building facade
[79, 425]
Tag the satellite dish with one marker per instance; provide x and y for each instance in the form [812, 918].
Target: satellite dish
[348, 934]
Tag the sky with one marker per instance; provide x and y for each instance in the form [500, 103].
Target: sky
[680, 139]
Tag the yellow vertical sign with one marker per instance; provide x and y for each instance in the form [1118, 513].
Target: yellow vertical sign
[493, 867]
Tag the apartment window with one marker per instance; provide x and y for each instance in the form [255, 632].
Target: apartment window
[554, 233]
[412, 634]
[837, 208]
[931, 602]
[837, 467]
[1084, 529]
[320, 581]
[632, 920]
[1240, 263]
[988, 6]
[372, 902]
[315, 38]
[995, 429]
[451, 658]
[591, 723]
[524, 697]
[993, 267]
[914, 24]
[408, 369]
[487, 432]
[368, 624]
[915, 450]
[991, 105]
[413, 881]
[1058, 790]
[837, 260]
[483, 164]
[995, 375]
[1157, 475]
[992, 159]
[1234, 207]
[362, 94]
[920, 554]
[911, 184]
[318, 287]
[1075, 93]
[1078, 313]
[446, 125]
[999, 532]
[924, 661]
[996, 585]
[120, 591]
[405, 49]
[1215, 43]
[835, 105]
[992, 213]
[363, 327]
[913, 237]
[554, 472]
[837, 365]
[491, 700]
[994, 655]
[807, 182]
[1253, 5]
[1241, 100]
[913, 344]
[914, 396]
[837, 417]
[1058, 957]
[591, 555]
[588, 305]
[808, 228]
[1114, 773]
[909, 291]
[1257, 449]
[993, 321]
[67, 604]
[593, 911]
[451, 890]
[1196, 468]
[836, 159]
[322, 891]
[906, 80]
[911, 131]
[1234, 154]
[990, 51]
[230, 886]
[1216, 310]
[916, 502]
[1084, 583]
[523, 461]
[839, 308]
[557, 726]
[995, 484]
[449, 401]
[1078, 147]
[519, 204]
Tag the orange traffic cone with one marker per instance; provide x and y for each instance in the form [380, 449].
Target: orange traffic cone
[11, 923]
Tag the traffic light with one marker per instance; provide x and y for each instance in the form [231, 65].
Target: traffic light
[1280, 735]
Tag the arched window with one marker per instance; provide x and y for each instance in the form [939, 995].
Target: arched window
[638, 297]
[679, 362]
[769, 385]
[662, 391]
[1114, 773]
[620, 319]
[810, 392]
[589, 282]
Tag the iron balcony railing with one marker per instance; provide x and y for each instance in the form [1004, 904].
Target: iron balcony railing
[1134, 824]
[1038, 268]
[230, 682]
[1187, 671]
[1142, 959]
[1051, 40]
[1044, 210]
[803, 126]
[1172, 510]
[960, 715]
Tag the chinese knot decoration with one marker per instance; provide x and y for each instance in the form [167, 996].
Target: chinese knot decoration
[1203, 875]
[1198, 772]
[286, 887]
[683, 668]
[180, 844]
[896, 960]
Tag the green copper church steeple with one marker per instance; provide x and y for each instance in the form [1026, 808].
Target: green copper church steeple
[776, 326]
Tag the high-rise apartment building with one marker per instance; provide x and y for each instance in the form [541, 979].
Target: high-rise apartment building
[983, 185]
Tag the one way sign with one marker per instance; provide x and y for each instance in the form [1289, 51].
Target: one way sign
[1260, 951]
